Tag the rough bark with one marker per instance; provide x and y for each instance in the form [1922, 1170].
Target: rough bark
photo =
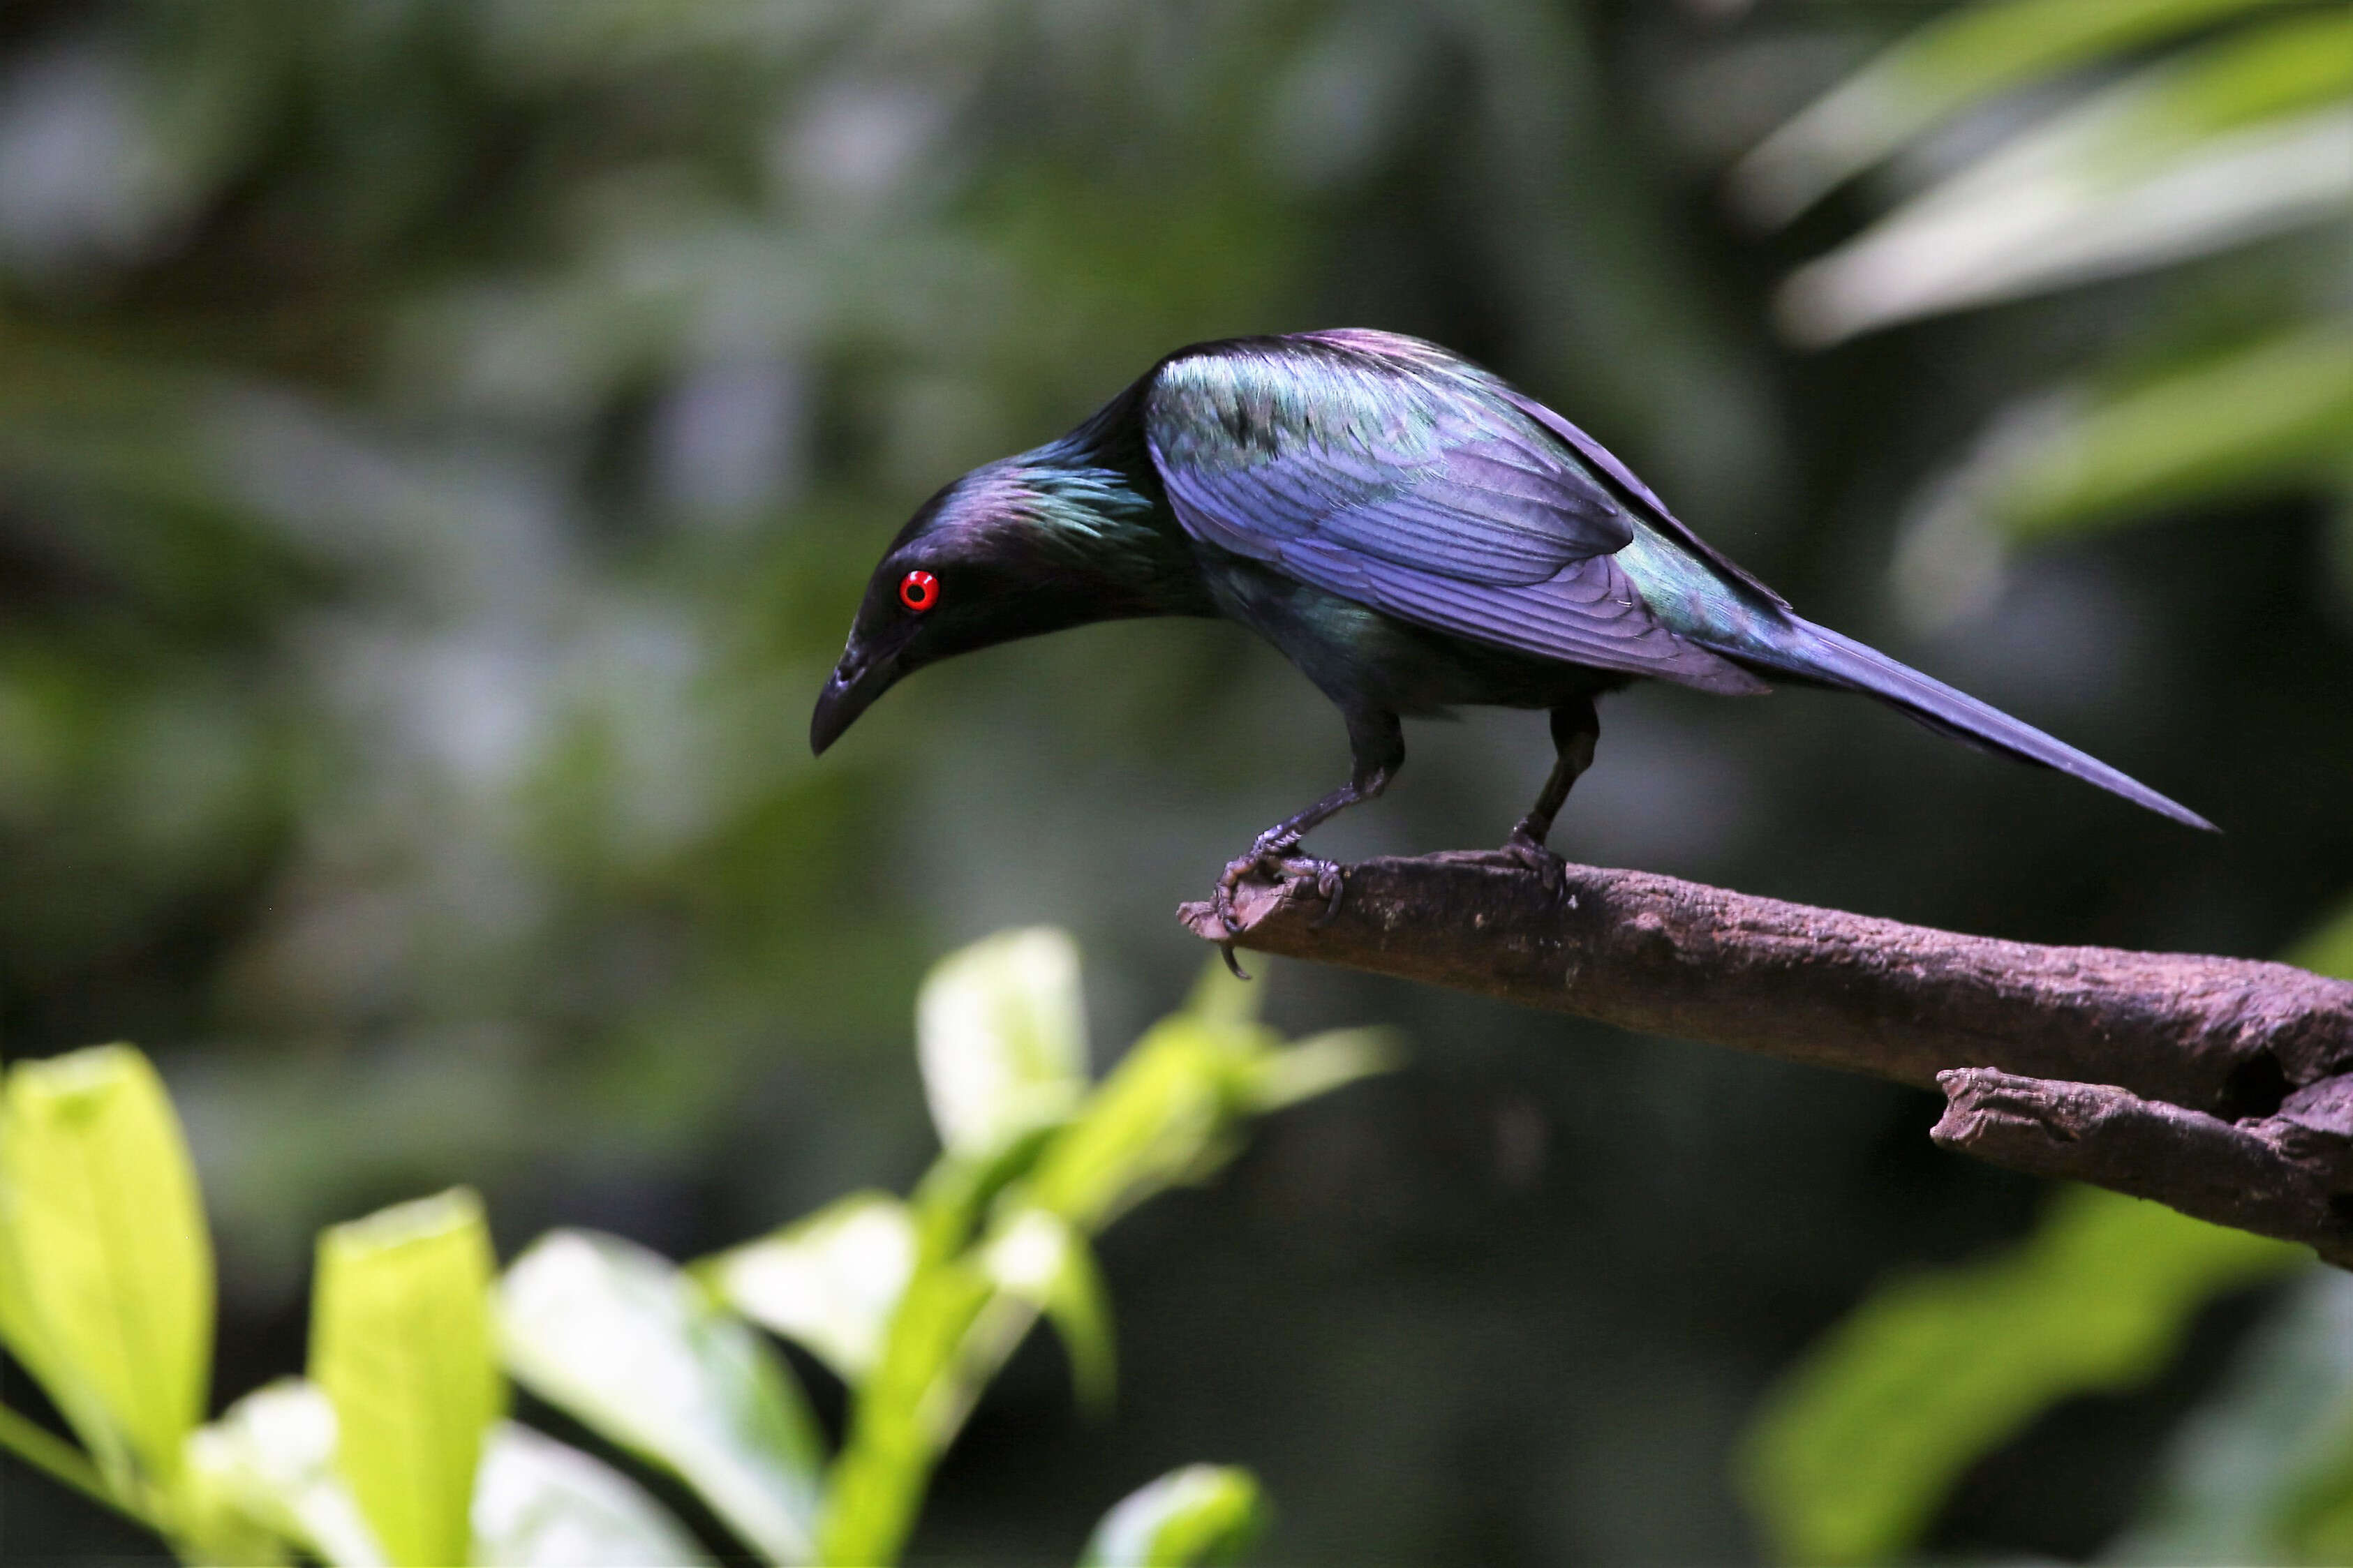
[2222, 1086]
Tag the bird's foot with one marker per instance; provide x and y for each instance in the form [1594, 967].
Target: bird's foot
[1272, 856]
[1527, 847]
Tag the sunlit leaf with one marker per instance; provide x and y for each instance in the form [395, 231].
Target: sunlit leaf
[2062, 206]
[1001, 1034]
[1851, 1456]
[1200, 1514]
[633, 1347]
[271, 1458]
[952, 1201]
[1042, 1261]
[545, 1504]
[211, 1528]
[400, 1343]
[1318, 1065]
[828, 1281]
[1960, 58]
[1223, 998]
[1161, 1117]
[2276, 409]
[907, 1410]
[110, 1295]
[2265, 416]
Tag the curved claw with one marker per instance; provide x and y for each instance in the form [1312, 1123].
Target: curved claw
[1530, 850]
[1534, 855]
[1270, 854]
[1331, 886]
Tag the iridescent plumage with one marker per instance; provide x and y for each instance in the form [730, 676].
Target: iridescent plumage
[1411, 531]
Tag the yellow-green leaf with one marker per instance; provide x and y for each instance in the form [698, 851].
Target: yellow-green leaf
[1039, 1259]
[908, 1408]
[545, 1504]
[2329, 950]
[1318, 1065]
[109, 1299]
[1223, 997]
[1160, 1117]
[1200, 1514]
[400, 1342]
[1849, 1459]
[829, 1281]
[270, 1461]
[1001, 1036]
[631, 1345]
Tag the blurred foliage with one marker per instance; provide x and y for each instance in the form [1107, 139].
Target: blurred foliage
[1202, 1513]
[393, 1450]
[2328, 950]
[1849, 1460]
[2262, 1473]
[2144, 158]
[441, 444]
[2240, 132]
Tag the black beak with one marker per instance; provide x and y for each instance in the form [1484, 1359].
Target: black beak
[848, 692]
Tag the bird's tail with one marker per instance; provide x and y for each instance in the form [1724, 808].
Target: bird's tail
[1816, 653]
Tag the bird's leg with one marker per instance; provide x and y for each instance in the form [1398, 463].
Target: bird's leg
[1575, 727]
[1376, 742]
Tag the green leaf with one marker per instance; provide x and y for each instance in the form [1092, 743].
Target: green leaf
[1222, 998]
[1200, 1514]
[108, 1298]
[1037, 1258]
[1001, 1034]
[1167, 1113]
[635, 1348]
[1963, 58]
[829, 1281]
[400, 1343]
[1318, 1065]
[958, 1322]
[907, 1411]
[2268, 415]
[2208, 149]
[1851, 1456]
[2329, 950]
[270, 1461]
[545, 1504]
[1162, 1116]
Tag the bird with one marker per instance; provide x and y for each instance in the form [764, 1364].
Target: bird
[1411, 531]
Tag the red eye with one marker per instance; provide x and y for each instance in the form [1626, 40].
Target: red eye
[919, 590]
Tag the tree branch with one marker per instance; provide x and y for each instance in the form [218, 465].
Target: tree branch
[2210, 1084]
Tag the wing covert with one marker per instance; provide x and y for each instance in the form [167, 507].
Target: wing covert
[1420, 490]
[1421, 470]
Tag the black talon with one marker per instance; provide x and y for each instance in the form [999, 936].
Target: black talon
[1333, 886]
[1533, 852]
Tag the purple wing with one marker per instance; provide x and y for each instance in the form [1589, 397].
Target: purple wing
[1392, 474]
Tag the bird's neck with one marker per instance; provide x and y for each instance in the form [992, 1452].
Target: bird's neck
[1100, 523]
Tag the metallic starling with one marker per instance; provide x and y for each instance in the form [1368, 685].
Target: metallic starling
[1411, 531]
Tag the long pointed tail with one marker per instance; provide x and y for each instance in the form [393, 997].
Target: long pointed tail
[1817, 653]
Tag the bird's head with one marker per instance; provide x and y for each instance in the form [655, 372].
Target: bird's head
[1011, 549]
